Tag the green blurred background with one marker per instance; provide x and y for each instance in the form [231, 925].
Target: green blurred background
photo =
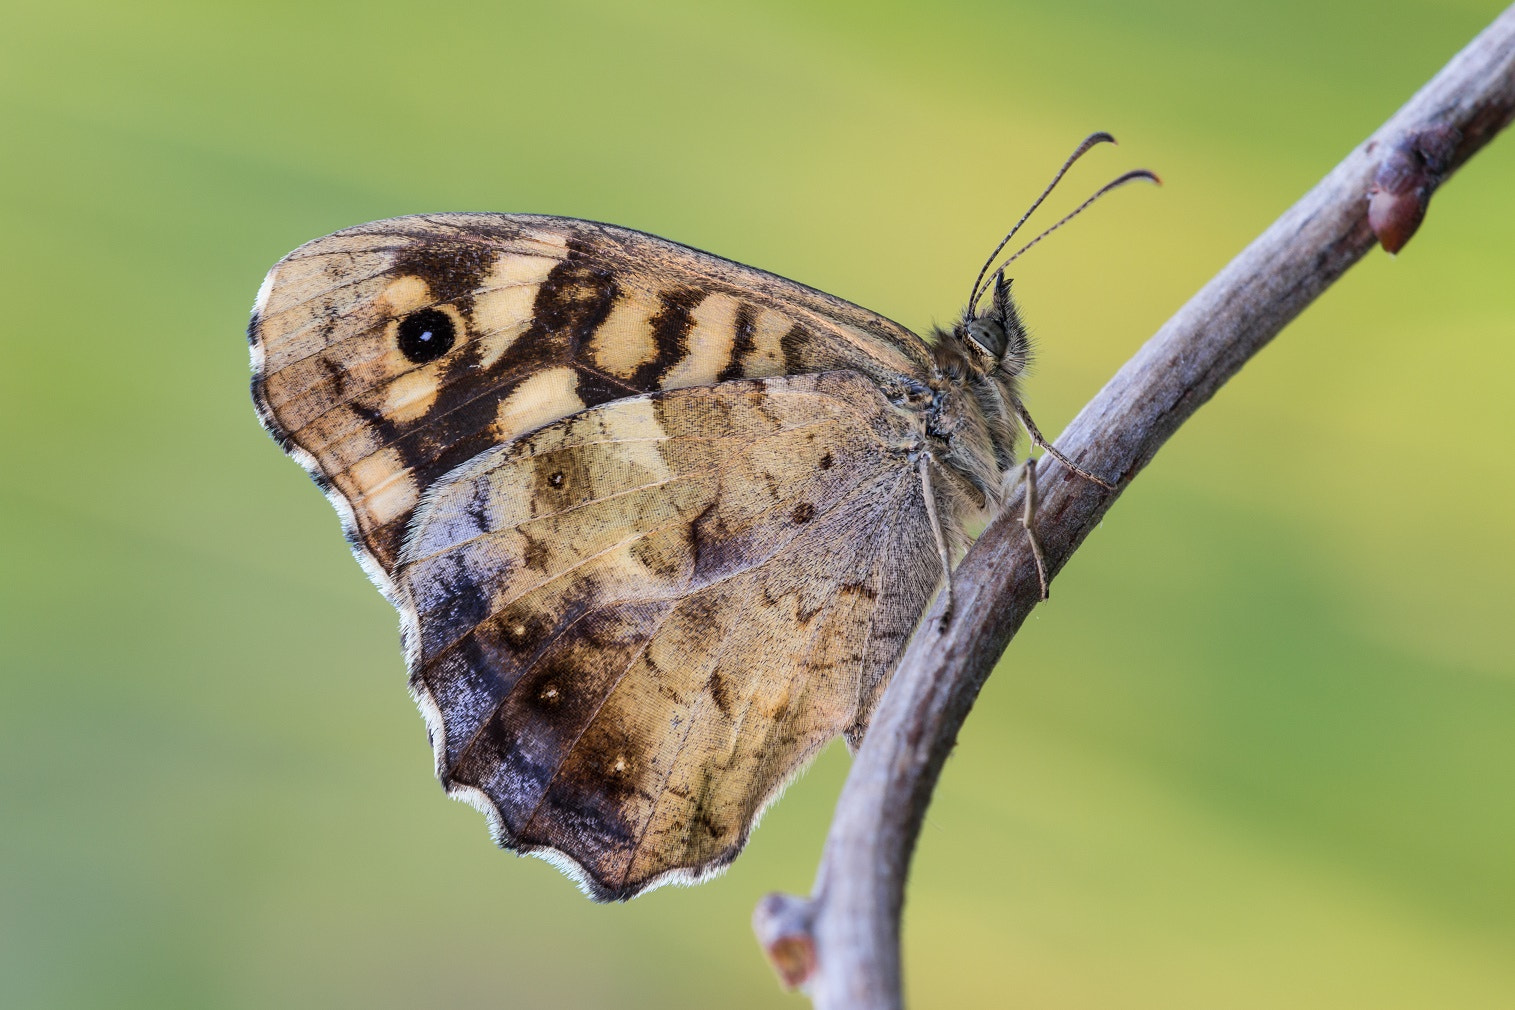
[1259, 750]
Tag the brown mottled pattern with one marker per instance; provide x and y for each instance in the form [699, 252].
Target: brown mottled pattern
[652, 523]
[642, 619]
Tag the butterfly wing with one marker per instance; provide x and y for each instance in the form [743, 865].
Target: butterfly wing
[634, 625]
[642, 510]
[540, 318]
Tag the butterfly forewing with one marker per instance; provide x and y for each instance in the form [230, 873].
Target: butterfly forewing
[548, 316]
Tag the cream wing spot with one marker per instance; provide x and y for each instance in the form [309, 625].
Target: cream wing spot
[513, 270]
[623, 342]
[411, 395]
[404, 294]
[372, 471]
[637, 432]
[384, 485]
[503, 309]
[392, 499]
[545, 396]
[711, 340]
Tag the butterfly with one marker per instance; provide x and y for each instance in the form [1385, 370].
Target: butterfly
[658, 525]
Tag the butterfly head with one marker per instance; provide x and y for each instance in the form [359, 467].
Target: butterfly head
[970, 419]
[995, 339]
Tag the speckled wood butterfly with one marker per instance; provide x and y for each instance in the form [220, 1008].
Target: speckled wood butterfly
[658, 525]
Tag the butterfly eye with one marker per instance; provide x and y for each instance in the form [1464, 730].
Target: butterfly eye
[988, 335]
[426, 335]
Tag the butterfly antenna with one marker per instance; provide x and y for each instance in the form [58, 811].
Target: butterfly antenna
[1132, 176]
[1090, 141]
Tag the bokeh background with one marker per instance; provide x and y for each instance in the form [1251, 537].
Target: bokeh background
[1258, 751]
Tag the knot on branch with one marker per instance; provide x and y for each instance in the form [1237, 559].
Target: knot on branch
[1410, 172]
[783, 924]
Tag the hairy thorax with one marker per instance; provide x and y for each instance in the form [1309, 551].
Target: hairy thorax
[961, 420]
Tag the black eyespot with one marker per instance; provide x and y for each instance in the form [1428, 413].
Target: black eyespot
[426, 335]
[556, 480]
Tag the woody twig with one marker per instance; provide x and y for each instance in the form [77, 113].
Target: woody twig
[842, 945]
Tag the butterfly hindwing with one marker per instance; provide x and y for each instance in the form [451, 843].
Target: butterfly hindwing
[635, 624]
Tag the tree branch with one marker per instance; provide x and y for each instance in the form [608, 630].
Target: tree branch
[847, 934]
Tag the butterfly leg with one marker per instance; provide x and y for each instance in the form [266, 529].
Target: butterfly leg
[924, 464]
[1027, 472]
[1051, 450]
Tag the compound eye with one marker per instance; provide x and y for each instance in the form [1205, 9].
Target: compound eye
[426, 335]
[988, 335]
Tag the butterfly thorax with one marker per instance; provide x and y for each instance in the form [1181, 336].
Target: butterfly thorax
[964, 411]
